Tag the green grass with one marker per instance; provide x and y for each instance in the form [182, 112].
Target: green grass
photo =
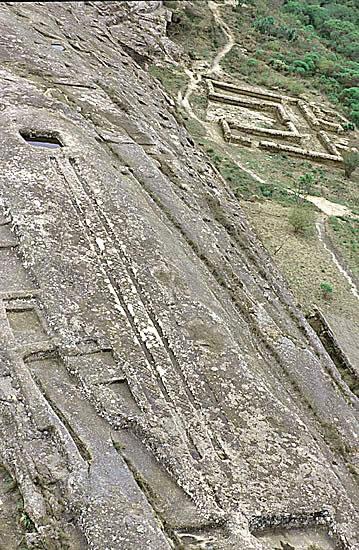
[329, 183]
[194, 127]
[243, 184]
[172, 79]
[345, 232]
[258, 72]
[301, 218]
[199, 102]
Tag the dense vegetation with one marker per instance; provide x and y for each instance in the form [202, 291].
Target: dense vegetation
[300, 44]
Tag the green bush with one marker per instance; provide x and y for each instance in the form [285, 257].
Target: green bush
[305, 185]
[242, 184]
[327, 290]
[350, 162]
[265, 25]
[336, 23]
[267, 190]
[278, 65]
[301, 218]
[354, 115]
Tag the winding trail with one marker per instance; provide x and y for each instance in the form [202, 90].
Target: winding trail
[192, 85]
[215, 65]
[323, 238]
[330, 208]
[195, 78]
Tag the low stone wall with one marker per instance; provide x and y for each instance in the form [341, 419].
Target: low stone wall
[308, 115]
[230, 138]
[265, 131]
[248, 103]
[319, 110]
[311, 116]
[210, 87]
[276, 105]
[303, 153]
[282, 114]
[227, 134]
[343, 147]
[251, 91]
[327, 143]
[291, 127]
[330, 126]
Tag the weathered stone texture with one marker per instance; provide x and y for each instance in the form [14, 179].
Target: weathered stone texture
[158, 386]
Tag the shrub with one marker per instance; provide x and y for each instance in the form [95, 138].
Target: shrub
[348, 126]
[350, 162]
[278, 64]
[305, 185]
[265, 25]
[351, 94]
[301, 218]
[266, 190]
[327, 290]
[268, 26]
[354, 115]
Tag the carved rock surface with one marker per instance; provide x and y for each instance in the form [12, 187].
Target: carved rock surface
[158, 387]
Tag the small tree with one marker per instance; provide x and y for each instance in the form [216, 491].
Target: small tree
[304, 186]
[327, 290]
[301, 218]
[350, 162]
[266, 25]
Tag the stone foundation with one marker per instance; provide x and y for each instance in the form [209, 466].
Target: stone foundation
[314, 127]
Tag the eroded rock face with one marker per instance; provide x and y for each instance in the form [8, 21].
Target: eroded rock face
[158, 388]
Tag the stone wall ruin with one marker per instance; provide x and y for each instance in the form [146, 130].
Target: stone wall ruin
[314, 131]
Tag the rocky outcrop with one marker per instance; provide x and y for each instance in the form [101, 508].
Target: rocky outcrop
[158, 387]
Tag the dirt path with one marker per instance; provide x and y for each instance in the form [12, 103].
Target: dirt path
[215, 65]
[196, 77]
[323, 238]
[192, 85]
[330, 208]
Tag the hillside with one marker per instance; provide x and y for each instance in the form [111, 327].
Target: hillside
[294, 46]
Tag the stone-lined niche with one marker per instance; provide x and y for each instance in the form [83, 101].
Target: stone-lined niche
[46, 139]
[312, 531]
